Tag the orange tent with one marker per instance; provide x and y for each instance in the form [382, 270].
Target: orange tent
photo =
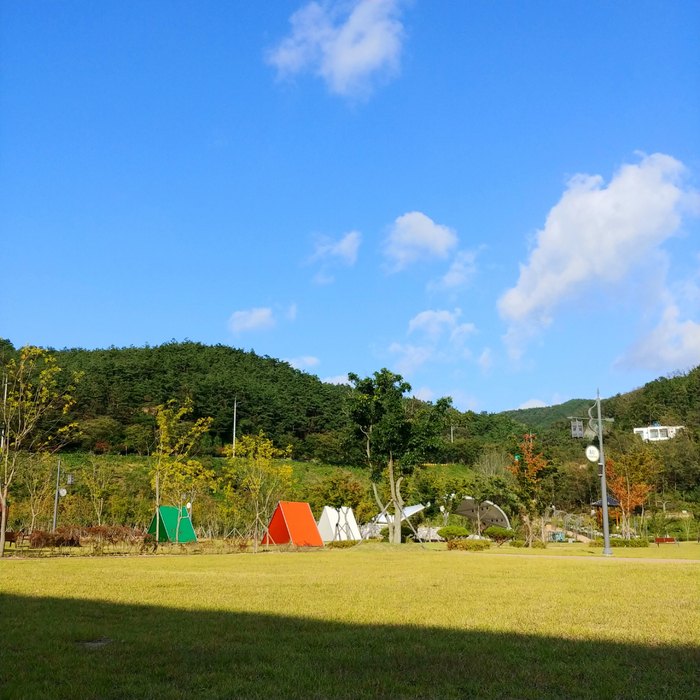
[293, 522]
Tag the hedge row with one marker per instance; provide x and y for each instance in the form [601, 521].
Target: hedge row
[615, 542]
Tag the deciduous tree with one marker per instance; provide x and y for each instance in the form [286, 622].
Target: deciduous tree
[530, 471]
[31, 408]
[173, 469]
[258, 472]
[396, 434]
[628, 478]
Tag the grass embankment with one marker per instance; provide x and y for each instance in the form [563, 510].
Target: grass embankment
[376, 621]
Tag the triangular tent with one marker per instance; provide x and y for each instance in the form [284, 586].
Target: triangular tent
[338, 524]
[169, 531]
[293, 522]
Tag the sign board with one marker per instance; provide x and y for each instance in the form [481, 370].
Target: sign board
[592, 454]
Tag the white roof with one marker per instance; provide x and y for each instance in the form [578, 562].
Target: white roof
[338, 524]
[408, 511]
[489, 513]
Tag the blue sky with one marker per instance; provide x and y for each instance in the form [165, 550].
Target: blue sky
[498, 200]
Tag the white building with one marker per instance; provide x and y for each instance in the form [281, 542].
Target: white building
[654, 433]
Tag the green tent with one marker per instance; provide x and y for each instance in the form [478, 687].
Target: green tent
[168, 531]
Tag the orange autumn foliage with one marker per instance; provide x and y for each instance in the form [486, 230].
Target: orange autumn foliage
[629, 494]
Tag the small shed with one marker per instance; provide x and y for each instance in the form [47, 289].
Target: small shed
[169, 529]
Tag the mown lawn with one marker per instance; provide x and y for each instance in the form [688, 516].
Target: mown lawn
[374, 622]
[684, 550]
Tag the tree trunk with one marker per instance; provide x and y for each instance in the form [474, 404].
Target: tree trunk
[3, 521]
[395, 527]
[255, 532]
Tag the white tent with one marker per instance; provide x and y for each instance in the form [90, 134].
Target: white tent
[408, 511]
[338, 524]
[488, 513]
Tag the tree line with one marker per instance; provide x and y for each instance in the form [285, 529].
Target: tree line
[386, 448]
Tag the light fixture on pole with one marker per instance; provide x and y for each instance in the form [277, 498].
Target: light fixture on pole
[594, 454]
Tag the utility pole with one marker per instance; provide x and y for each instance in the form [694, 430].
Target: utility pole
[235, 406]
[601, 472]
[452, 433]
[55, 502]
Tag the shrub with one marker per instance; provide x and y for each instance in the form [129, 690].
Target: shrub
[538, 544]
[342, 544]
[468, 545]
[452, 532]
[499, 534]
[40, 539]
[615, 542]
[517, 543]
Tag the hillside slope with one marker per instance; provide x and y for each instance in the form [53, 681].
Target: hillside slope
[671, 400]
[123, 384]
[545, 416]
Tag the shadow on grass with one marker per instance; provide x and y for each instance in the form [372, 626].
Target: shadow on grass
[154, 652]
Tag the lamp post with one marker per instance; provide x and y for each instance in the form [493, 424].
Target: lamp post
[607, 551]
[596, 455]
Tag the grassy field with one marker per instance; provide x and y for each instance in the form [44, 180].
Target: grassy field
[684, 550]
[377, 621]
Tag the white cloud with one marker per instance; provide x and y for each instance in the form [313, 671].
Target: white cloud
[292, 312]
[672, 345]
[414, 236]
[322, 277]
[433, 325]
[460, 272]
[594, 234]
[348, 44]
[485, 360]
[424, 394]
[411, 357]
[345, 249]
[330, 251]
[462, 332]
[303, 362]
[253, 320]
[432, 322]
[339, 379]
[533, 403]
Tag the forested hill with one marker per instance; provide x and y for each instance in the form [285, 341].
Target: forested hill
[122, 384]
[545, 416]
[673, 400]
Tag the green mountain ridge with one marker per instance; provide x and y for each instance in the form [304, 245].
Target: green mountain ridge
[545, 416]
[670, 400]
